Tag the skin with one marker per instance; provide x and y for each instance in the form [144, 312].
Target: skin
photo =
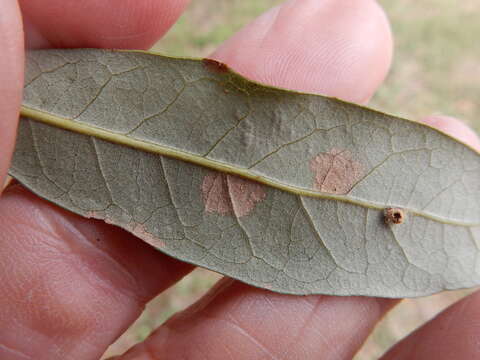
[71, 286]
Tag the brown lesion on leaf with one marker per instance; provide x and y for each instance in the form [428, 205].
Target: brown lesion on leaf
[141, 231]
[225, 194]
[215, 66]
[394, 216]
[93, 215]
[335, 172]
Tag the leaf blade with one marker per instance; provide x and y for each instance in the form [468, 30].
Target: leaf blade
[336, 140]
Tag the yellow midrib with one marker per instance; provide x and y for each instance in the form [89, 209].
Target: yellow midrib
[121, 139]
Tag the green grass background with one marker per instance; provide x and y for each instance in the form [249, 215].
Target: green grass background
[436, 70]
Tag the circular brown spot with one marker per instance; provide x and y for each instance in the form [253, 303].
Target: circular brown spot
[336, 172]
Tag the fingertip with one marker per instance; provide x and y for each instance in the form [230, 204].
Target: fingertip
[334, 47]
[455, 128]
[100, 24]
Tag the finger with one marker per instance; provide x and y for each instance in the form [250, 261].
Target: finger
[290, 46]
[93, 23]
[11, 79]
[453, 334]
[335, 47]
[241, 322]
[70, 287]
[456, 127]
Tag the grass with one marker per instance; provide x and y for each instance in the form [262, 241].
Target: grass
[436, 69]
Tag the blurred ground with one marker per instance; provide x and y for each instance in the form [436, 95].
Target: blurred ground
[436, 70]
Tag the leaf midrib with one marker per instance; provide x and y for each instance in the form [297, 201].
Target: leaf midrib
[120, 139]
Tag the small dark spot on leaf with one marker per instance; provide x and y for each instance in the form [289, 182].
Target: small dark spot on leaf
[394, 216]
[214, 65]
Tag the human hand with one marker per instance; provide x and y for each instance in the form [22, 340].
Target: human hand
[70, 286]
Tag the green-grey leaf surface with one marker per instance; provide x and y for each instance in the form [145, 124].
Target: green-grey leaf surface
[156, 145]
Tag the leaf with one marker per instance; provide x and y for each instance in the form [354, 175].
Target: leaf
[281, 190]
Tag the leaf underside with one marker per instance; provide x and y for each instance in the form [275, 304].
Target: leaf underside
[282, 190]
